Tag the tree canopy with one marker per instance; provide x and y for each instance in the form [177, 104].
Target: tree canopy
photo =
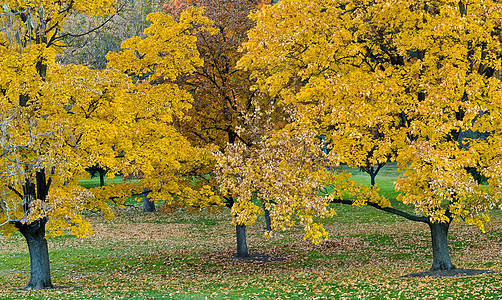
[57, 120]
[411, 81]
[204, 93]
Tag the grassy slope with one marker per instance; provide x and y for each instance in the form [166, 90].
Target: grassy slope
[183, 256]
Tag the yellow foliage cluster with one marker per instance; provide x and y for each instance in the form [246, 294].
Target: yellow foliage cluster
[55, 120]
[415, 82]
[285, 172]
[169, 47]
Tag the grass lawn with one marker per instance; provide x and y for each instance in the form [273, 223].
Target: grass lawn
[189, 256]
[94, 181]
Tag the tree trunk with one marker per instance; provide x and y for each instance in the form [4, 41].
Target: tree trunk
[240, 230]
[242, 246]
[148, 205]
[372, 179]
[102, 177]
[268, 222]
[40, 275]
[440, 254]
[373, 172]
[34, 233]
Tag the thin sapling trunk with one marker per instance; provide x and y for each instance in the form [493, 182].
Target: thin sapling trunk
[268, 222]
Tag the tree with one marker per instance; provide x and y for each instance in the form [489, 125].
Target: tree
[222, 95]
[37, 144]
[154, 151]
[89, 38]
[285, 171]
[221, 92]
[419, 75]
[56, 121]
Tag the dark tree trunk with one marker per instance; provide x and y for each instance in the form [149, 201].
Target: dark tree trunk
[102, 177]
[34, 233]
[148, 205]
[268, 222]
[242, 246]
[232, 136]
[40, 275]
[441, 260]
[373, 172]
[240, 230]
[372, 179]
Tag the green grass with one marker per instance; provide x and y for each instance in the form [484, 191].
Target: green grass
[94, 181]
[189, 256]
[384, 179]
[135, 201]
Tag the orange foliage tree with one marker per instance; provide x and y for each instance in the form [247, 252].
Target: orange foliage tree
[263, 161]
[412, 81]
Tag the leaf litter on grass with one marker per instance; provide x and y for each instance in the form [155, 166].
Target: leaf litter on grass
[174, 256]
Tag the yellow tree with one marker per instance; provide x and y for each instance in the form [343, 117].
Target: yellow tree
[412, 81]
[221, 92]
[37, 150]
[57, 120]
[88, 39]
[284, 170]
[154, 152]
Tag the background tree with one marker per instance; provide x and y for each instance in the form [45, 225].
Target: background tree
[419, 74]
[167, 165]
[89, 38]
[222, 95]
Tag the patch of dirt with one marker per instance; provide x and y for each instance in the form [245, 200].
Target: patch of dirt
[457, 272]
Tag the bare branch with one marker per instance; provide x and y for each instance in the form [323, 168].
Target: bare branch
[389, 210]
[85, 33]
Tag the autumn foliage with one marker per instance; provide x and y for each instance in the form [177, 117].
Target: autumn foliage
[414, 82]
[221, 92]
[58, 120]
[234, 100]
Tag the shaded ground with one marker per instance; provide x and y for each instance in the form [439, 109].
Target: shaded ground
[458, 272]
[259, 257]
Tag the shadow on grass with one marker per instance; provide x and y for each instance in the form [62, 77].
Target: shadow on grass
[457, 272]
[258, 257]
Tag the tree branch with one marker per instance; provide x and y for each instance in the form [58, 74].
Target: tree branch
[85, 33]
[389, 210]
[15, 191]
